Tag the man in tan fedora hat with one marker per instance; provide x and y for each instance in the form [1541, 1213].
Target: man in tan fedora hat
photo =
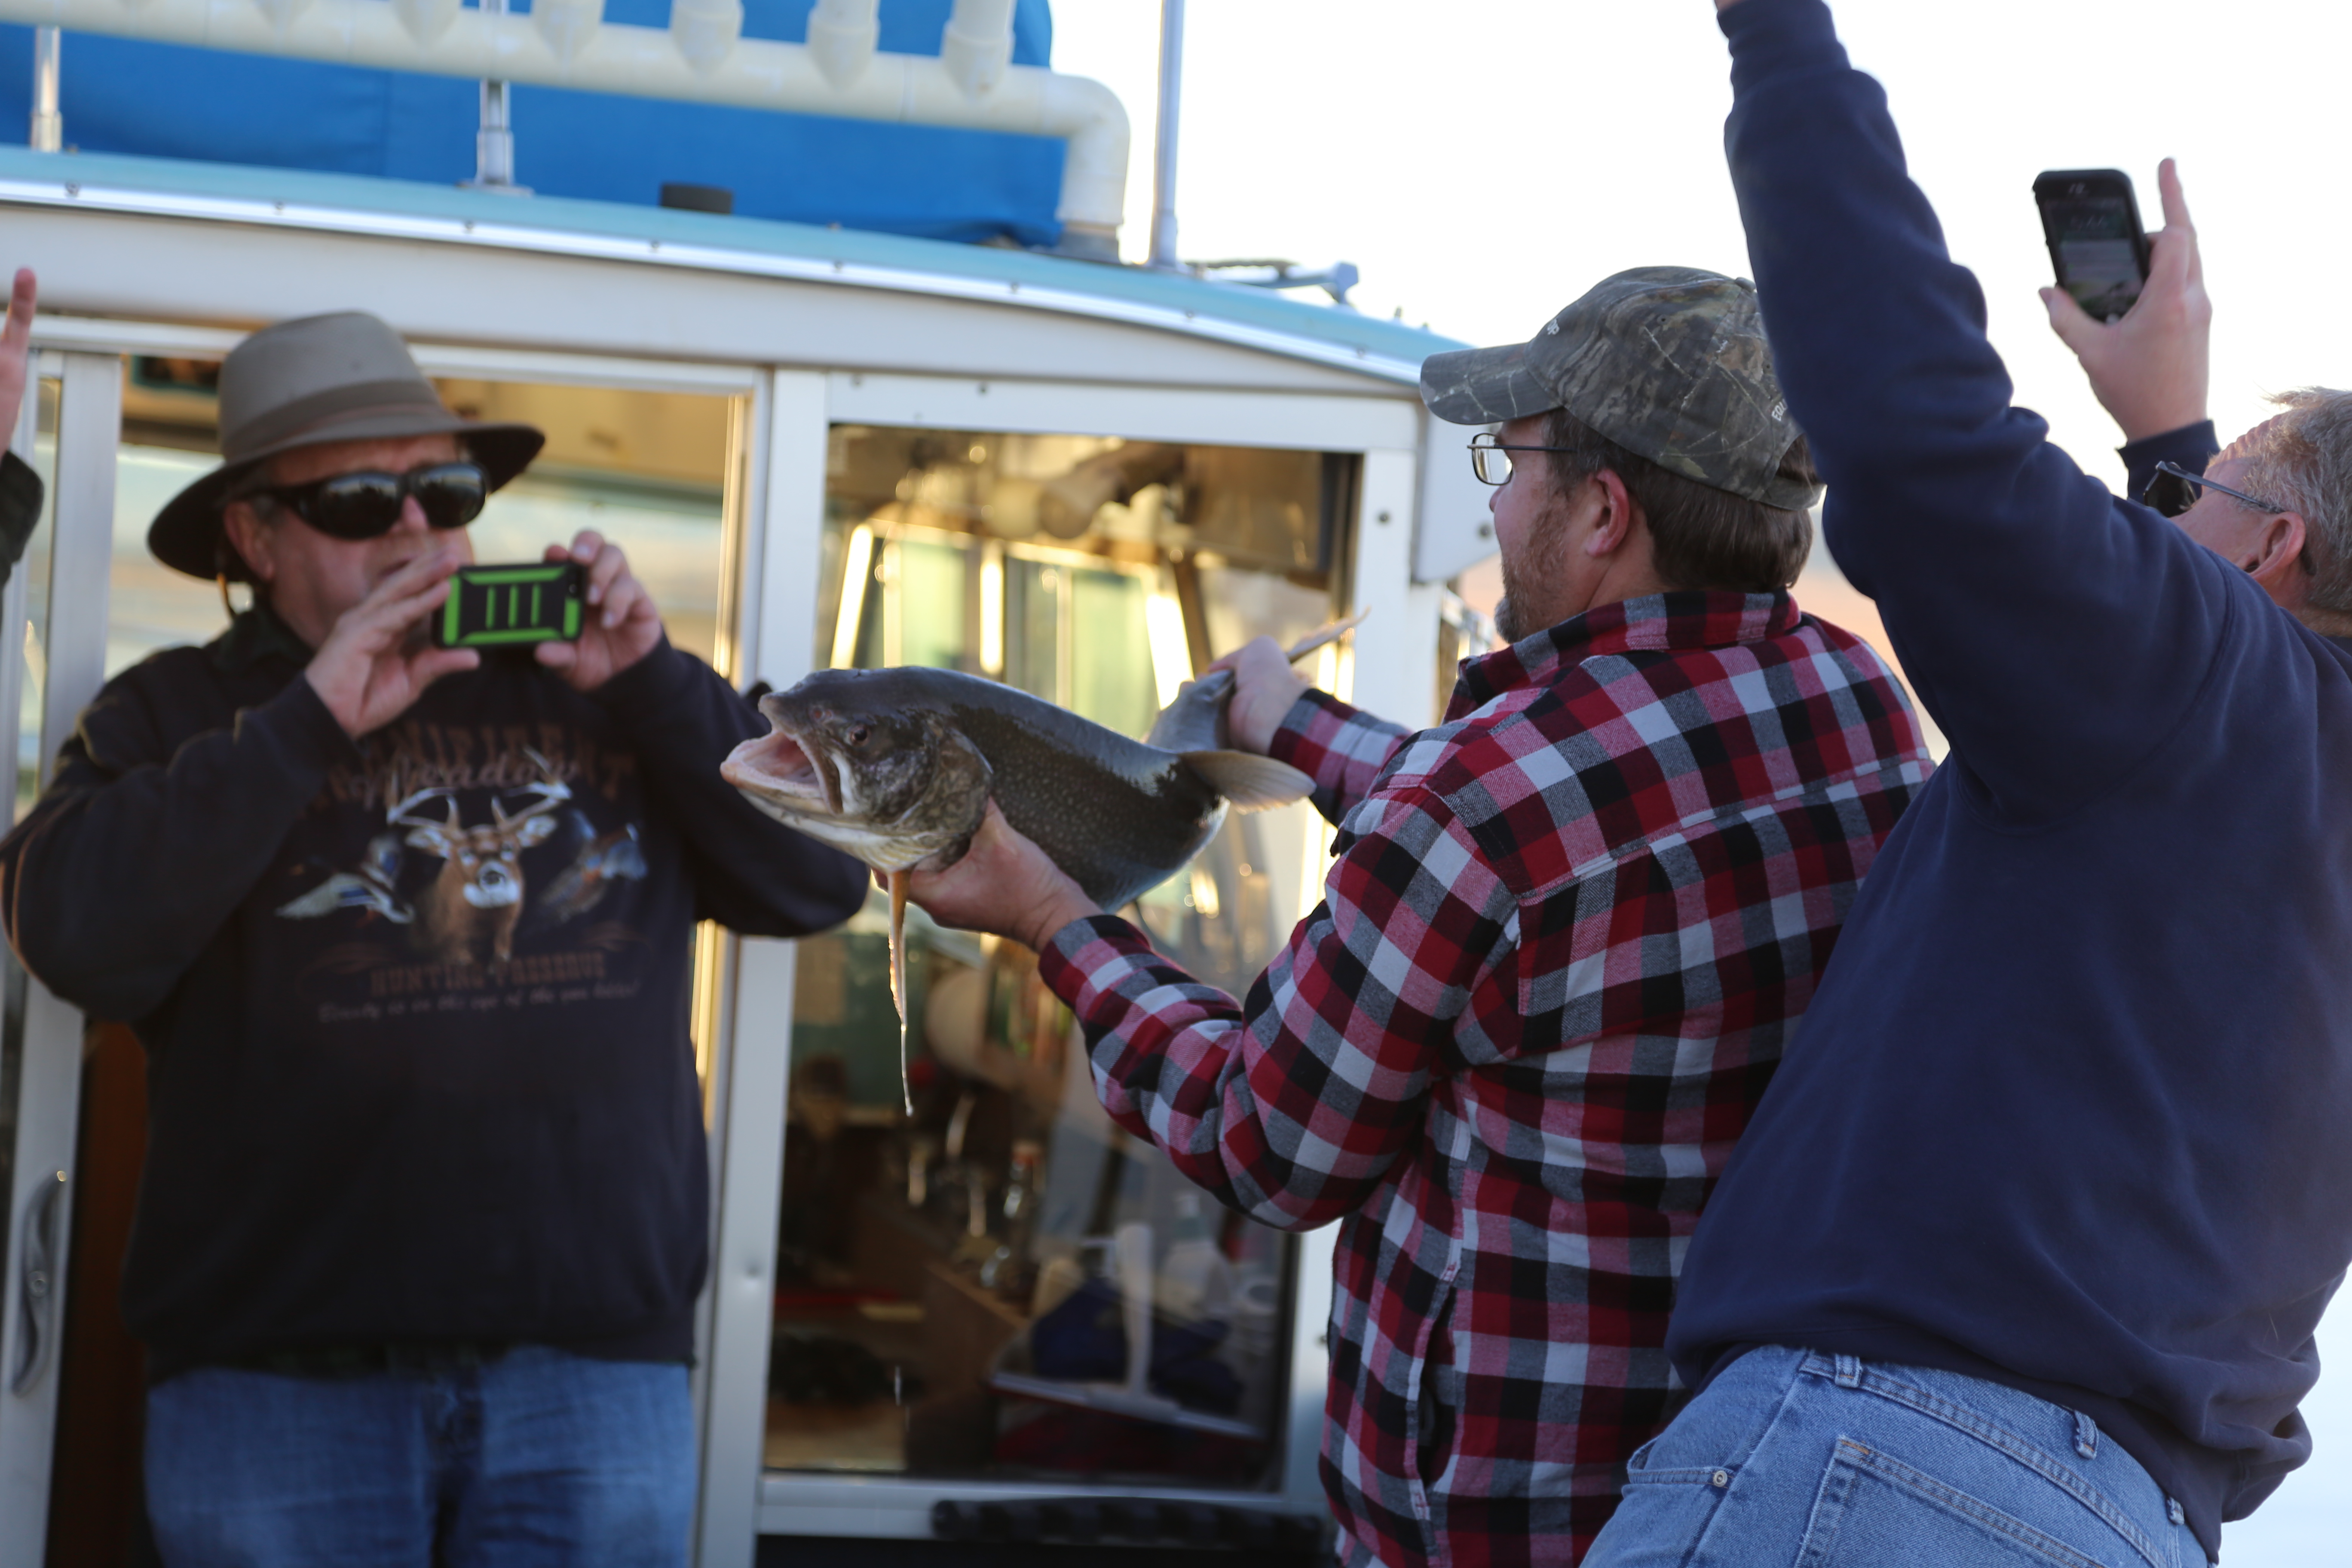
[406, 931]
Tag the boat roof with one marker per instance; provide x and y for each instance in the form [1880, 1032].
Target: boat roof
[414, 211]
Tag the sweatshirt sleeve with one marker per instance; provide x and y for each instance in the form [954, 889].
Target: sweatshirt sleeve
[20, 511]
[750, 874]
[2192, 446]
[138, 852]
[2054, 633]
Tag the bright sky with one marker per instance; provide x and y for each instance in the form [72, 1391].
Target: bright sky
[1484, 162]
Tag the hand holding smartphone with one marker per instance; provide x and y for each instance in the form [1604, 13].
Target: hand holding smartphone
[2148, 361]
[2092, 222]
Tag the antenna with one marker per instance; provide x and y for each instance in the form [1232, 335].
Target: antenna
[1163, 171]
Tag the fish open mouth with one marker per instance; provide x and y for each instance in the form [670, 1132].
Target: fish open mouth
[778, 764]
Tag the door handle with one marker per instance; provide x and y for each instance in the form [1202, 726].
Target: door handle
[37, 1285]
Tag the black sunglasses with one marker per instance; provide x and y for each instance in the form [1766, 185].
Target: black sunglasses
[367, 505]
[2173, 491]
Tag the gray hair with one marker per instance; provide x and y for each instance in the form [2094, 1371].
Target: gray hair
[2303, 459]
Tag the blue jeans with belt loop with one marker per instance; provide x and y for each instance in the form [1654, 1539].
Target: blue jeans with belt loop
[1795, 1459]
[534, 1459]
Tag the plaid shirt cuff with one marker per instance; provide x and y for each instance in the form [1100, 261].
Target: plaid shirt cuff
[1342, 748]
[1068, 967]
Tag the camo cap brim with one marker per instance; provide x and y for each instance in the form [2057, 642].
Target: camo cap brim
[1670, 363]
[1484, 386]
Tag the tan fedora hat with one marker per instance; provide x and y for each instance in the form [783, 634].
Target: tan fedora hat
[340, 377]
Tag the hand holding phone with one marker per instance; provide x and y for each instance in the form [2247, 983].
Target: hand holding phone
[372, 664]
[620, 624]
[2150, 369]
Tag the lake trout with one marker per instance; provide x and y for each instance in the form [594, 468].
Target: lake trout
[897, 767]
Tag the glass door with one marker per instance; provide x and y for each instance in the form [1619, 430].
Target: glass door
[1004, 1289]
[49, 617]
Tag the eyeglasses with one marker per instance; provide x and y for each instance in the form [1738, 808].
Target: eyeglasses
[1491, 460]
[367, 505]
[2174, 489]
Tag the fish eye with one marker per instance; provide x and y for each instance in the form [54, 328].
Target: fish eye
[860, 734]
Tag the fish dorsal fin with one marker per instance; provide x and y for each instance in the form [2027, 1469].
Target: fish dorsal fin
[1195, 722]
[1251, 781]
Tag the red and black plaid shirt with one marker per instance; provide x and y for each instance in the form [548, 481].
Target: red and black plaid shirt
[1566, 939]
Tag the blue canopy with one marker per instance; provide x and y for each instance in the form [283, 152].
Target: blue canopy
[120, 95]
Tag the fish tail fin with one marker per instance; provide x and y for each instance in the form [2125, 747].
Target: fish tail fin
[899, 883]
[1332, 633]
[1251, 781]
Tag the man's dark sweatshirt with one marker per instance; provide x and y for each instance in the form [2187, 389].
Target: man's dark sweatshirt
[20, 511]
[2069, 1111]
[415, 1008]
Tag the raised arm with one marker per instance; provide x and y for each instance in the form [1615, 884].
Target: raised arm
[20, 488]
[2054, 633]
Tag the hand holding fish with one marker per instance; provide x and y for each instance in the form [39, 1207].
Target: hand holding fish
[622, 624]
[375, 664]
[1265, 685]
[1005, 885]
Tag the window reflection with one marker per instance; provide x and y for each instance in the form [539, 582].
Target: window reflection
[1005, 1284]
[648, 469]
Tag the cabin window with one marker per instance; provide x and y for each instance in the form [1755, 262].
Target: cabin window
[648, 469]
[949, 1288]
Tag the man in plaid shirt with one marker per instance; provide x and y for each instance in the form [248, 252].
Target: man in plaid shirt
[1566, 939]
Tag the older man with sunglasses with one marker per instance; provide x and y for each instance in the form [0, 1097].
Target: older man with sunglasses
[405, 932]
[2278, 503]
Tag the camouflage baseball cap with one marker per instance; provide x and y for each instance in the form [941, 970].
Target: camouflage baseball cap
[1670, 363]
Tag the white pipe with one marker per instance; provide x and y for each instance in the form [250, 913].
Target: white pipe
[976, 46]
[48, 133]
[706, 31]
[1163, 161]
[645, 62]
[427, 20]
[494, 141]
[842, 35]
[566, 25]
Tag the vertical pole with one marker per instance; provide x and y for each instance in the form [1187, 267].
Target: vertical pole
[1163, 169]
[49, 134]
[494, 144]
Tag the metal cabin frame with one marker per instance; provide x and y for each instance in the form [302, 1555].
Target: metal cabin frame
[808, 327]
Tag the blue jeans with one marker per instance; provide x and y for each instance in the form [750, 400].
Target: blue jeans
[533, 1459]
[1800, 1460]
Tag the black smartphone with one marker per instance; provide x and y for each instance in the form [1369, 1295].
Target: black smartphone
[500, 606]
[2092, 222]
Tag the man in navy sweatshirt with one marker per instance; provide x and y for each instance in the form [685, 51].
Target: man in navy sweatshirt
[2020, 1258]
